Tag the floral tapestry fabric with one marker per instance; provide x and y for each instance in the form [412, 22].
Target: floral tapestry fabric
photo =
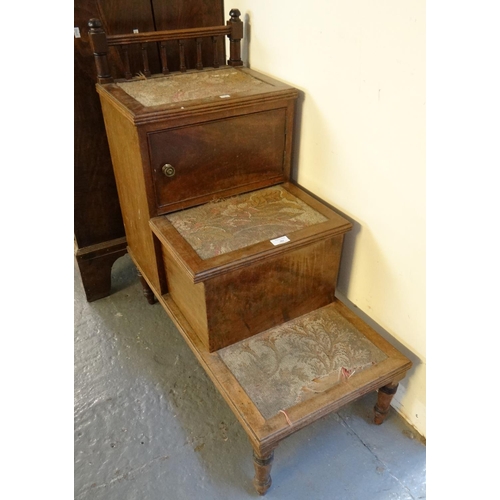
[220, 227]
[291, 363]
[185, 87]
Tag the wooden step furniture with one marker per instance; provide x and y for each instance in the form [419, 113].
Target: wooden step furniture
[243, 260]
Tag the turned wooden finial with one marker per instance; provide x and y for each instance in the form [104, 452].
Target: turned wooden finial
[95, 25]
[235, 15]
[99, 45]
[235, 38]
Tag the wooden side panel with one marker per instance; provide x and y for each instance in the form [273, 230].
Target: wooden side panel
[214, 157]
[128, 168]
[189, 297]
[250, 300]
[97, 216]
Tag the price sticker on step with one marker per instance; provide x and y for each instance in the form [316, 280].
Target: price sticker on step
[280, 240]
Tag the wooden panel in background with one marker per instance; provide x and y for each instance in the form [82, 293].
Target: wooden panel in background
[98, 224]
[178, 14]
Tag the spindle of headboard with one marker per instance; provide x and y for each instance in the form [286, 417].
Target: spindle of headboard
[100, 42]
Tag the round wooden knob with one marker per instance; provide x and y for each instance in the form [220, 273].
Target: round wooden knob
[168, 170]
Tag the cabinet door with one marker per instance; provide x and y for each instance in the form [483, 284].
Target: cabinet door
[217, 158]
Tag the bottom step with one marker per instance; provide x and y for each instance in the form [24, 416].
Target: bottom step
[285, 378]
[291, 363]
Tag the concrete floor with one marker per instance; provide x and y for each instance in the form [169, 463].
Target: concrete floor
[149, 424]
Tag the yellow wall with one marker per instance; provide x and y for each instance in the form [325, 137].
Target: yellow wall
[360, 67]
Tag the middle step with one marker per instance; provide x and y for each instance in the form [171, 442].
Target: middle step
[239, 266]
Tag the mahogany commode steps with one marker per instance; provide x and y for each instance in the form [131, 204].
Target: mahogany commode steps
[243, 260]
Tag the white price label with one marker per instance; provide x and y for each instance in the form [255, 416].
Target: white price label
[280, 240]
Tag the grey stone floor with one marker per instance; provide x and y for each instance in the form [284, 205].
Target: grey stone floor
[149, 424]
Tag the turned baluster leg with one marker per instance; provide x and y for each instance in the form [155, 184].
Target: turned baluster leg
[385, 395]
[146, 289]
[262, 464]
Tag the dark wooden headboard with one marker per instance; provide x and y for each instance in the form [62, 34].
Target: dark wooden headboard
[100, 43]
